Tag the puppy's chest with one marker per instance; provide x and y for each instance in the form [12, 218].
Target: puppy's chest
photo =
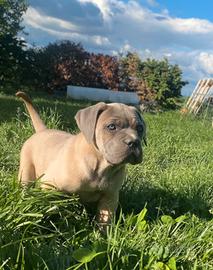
[95, 176]
[96, 181]
[93, 187]
[103, 180]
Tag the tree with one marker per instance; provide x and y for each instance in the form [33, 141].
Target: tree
[132, 79]
[12, 55]
[103, 71]
[152, 79]
[129, 67]
[11, 12]
[57, 65]
[165, 79]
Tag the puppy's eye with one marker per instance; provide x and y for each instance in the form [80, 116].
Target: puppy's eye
[111, 127]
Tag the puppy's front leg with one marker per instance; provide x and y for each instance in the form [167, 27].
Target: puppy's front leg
[107, 207]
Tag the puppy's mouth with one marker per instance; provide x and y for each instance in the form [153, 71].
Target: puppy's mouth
[135, 156]
[132, 156]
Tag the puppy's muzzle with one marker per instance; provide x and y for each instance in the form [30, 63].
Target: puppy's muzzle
[132, 143]
[134, 150]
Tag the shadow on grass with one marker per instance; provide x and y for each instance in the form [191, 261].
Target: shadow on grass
[8, 108]
[160, 201]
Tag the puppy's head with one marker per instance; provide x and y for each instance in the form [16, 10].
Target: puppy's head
[115, 129]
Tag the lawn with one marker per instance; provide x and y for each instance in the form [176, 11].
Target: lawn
[164, 220]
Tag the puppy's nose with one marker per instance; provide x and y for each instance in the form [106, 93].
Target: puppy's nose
[132, 143]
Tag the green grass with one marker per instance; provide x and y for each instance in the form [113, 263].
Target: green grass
[164, 220]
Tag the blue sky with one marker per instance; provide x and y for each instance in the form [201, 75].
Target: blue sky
[185, 8]
[180, 30]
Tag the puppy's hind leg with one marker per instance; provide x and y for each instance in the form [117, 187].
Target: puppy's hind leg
[27, 173]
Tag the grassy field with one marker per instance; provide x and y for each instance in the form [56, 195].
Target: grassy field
[164, 220]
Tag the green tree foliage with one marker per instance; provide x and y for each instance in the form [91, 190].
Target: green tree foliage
[57, 65]
[154, 79]
[11, 12]
[165, 79]
[12, 55]
[131, 79]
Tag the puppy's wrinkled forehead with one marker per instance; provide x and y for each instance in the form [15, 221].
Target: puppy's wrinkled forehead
[126, 115]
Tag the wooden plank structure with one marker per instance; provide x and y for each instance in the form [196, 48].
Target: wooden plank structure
[199, 95]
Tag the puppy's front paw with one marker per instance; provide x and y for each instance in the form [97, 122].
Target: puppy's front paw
[104, 216]
[104, 220]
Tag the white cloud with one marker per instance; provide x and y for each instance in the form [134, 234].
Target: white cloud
[206, 62]
[103, 5]
[126, 48]
[61, 29]
[190, 26]
[38, 19]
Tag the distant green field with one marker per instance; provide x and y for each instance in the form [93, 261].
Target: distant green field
[164, 220]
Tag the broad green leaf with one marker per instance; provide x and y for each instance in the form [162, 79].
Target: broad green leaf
[172, 263]
[181, 218]
[85, 255]
[141, 225]
[167, 219]
[141, 215]
[161, 266]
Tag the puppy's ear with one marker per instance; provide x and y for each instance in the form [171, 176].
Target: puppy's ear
[87, 118]
[144, 133]
[144, 127]
[145, 141]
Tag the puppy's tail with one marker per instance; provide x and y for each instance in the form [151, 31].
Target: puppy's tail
[37, 122]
